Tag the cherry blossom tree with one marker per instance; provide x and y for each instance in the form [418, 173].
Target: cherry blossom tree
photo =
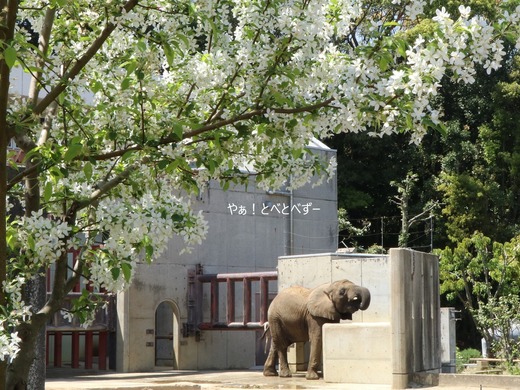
[134, 105]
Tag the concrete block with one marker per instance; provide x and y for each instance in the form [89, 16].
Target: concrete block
[297, 357]
[351, 350]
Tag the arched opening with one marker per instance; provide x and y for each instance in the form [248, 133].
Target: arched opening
[166, 335]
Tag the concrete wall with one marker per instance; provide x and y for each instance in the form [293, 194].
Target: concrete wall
[236, 242]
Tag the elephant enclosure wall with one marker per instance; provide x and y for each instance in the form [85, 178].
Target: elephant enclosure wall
[397, 339]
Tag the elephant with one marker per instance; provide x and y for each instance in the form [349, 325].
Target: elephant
[297, 314]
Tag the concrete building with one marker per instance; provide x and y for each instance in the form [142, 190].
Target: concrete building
[249, 229]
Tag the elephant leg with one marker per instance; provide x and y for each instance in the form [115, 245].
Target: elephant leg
[314, 358]
[270, 363]
[284, 365]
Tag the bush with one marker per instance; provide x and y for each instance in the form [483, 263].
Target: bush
[464, 356]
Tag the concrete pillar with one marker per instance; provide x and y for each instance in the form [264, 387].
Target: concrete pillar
[400, 269]
[122, 332]
[296, 357]
[448, 344]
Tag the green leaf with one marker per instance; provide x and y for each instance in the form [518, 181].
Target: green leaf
[11, 239]
[127, 155]
[130, 67]
[127, 271]
[149, 252]
[441, 128]
[177, 130]
[172, 166]
[297, 153]
[115, 273]
[125, 83]
[401, 47]
[211, 166]
[141, 45]
[162, 164]
[177, 217]
[87, 170]
[96, 86]
[30, 242]
[73, 151]
[168, 52]
[47, 191]
[56, 172]
[10, 56]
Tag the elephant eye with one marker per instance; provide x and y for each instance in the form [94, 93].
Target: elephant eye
[342, 291]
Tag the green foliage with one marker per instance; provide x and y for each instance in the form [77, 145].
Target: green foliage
[470, 205]
[499, 317]
[485, 276]
[348, 229]
[480, 268]
[376, 249]
[512, 368]
[463, 356]
[367, 166]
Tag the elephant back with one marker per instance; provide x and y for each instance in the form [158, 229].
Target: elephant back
[290, 302]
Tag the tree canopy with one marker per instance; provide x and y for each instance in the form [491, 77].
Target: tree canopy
[134, 105]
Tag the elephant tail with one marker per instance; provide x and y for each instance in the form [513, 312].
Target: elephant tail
[267, 335]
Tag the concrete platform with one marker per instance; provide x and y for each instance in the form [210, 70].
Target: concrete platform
[58, 379]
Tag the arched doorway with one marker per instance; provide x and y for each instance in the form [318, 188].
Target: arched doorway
[166, 334]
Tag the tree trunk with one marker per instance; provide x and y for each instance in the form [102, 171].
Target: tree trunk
[18, 369]
[37, 294]
[27, 370]
[404, 235]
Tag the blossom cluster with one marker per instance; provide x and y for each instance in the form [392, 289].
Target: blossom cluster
[149, 221]
[43, 239]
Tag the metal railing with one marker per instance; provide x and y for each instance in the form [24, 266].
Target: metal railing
[196, 283]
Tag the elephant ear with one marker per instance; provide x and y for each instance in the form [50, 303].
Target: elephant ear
[320, 303]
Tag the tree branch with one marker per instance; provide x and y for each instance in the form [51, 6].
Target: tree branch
[43, 47]
[80, 63]
[103, 189]
[246, 116]
[418, 217]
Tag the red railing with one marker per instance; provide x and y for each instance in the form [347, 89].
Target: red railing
[90, 345]
[69, 339]
[230, 280]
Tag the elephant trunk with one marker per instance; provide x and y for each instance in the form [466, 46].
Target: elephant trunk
[365, 298]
